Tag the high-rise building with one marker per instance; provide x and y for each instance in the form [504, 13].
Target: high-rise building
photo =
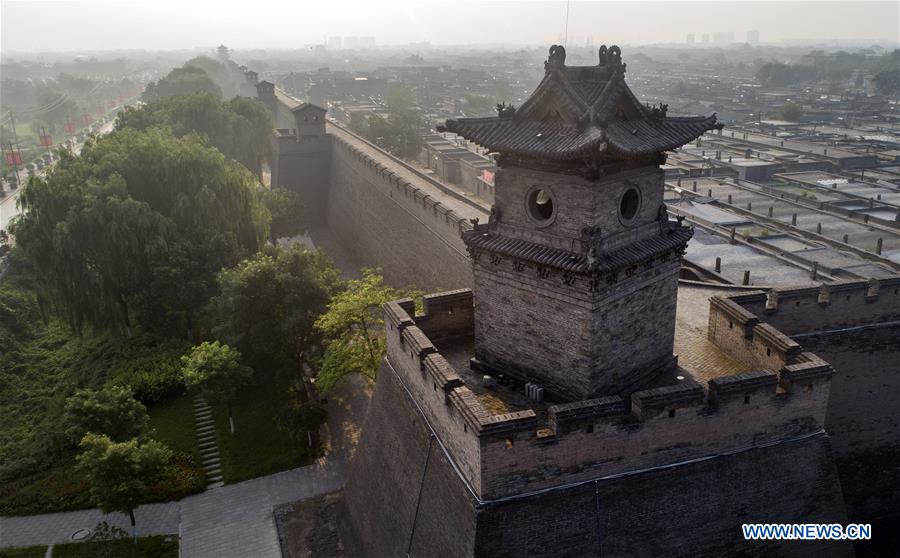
[753, 37]
[690, 39]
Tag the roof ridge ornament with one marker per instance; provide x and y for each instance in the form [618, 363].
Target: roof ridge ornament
[610, 56]
[556, 59]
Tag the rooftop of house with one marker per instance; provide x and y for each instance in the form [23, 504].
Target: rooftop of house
[581, 112]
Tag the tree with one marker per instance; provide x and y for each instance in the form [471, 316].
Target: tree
[112, 412]
[239, 128]
[300, 419]
[286, 210]
[353, 327]
[118, 473]
[216, 370]
[789, 111]
[135, 228]
[268, 305]
[180, 81]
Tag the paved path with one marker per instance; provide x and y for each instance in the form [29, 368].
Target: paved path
[234, 521]
[206, 439]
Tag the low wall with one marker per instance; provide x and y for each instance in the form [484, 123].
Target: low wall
[502, 455]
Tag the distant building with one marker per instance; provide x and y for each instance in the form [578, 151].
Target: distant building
[367, 42]
[351, 42]
[334, 43]
[222, 52]
[704, 38]
[690, 39]
[753, 37]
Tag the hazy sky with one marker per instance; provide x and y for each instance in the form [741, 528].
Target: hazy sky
[162, 24]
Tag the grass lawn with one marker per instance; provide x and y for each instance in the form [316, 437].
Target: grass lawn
[24, 552]
[162, 546]
[172, 423]
[60, 488]
[258, 447]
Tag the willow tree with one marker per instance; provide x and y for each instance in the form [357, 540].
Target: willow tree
[135, 228]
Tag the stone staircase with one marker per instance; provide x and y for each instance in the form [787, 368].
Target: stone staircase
[209, 449]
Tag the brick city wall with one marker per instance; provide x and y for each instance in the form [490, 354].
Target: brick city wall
[831, 306]
[509, 454]
[384, 220]
[850, 326]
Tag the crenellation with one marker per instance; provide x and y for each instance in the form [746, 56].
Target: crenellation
[829, 306]
[651, 403]
[506, 453]
[746, 385]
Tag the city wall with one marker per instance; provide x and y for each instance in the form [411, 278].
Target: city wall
[854, 326]
[514, 453]
[385, 220]
[380, 216]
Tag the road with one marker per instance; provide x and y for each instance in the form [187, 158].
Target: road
[8, 205]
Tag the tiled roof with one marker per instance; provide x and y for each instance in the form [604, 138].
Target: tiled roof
[630, 254]
[581, 112]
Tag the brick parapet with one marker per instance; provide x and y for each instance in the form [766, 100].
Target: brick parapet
[506, 454]
[827, 307]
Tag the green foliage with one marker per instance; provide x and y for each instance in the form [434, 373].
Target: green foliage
[789, 111]
[111, 411]
[216, 370]
[38, 551]
[778, 75]
[353, 327]
[62, 488]
[299, 418]
[259, 447]
[181, 81]
[119, 473]
[888, 81]
[239, 128]
[286, 209]
[399, 133]
[226, 75]
[399, 99]
[159, 546]
[135, 228]
[268, 304]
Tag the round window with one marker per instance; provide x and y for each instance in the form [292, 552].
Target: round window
[540, 205]
[631, 202]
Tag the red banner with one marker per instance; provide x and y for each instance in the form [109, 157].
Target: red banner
[14, 158]
[487, 176]
[69, 128]
[46, 140]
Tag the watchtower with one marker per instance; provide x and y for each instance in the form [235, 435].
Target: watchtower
[575, 273]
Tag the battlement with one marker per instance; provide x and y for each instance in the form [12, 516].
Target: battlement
[781, 395]
[828, 307]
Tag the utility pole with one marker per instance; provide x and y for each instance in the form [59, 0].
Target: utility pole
[14, 153]
[48, 144]
[14, 158]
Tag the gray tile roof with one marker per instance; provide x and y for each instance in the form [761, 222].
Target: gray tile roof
[580, 112]
[676, 237]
